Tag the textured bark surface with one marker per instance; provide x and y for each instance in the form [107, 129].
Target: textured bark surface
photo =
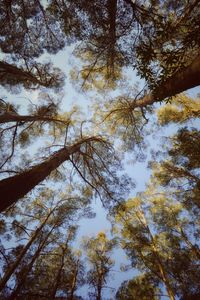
[11, 117]
[9, 70]
[14, 188]
[178, 83]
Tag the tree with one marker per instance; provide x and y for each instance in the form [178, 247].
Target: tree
[25, 271]
[142, 287]
[88, 157]
[45, 220]
[160, 238]
[110, 24]
[181, 169]
[40, 215]
[140, 243]
[24, 129]
[31, 75]
[55, 273]
[27, 30]
[98, 251]
[116, 34]
[181, 230]
[131, 34]
[15, 265]
[180, 110]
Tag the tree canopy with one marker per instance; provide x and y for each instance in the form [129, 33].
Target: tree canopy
[58, 159]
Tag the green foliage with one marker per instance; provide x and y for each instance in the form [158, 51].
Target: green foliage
[153, 230]
[142, 287]
[99, 250]
[158, 229]
[47, 258]
[181, 169]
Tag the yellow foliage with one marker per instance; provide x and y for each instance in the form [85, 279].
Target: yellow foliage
[181, 109]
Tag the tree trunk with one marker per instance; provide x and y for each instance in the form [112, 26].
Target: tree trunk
[15, 187]
[194, 248]
[179, 82]
[57, 279]
[11, 117]
[14, 72]
[26, 271]
[14, 266]
[98, 293]
[163, 273]
[112, 12]
[71, 297]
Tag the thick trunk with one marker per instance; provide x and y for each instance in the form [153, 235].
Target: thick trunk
[28, 268]
[181, 81]
[9, 117]
[11, 71]
[14, 188]
[14, 266]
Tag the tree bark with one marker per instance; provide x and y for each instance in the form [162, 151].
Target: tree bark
[98, 293]
[194, 248]
[73, 288]
[181, 81]
[57, 279]
[16, 187]
[112, 12]
[11, 117]
[12, 71]
[163, 273]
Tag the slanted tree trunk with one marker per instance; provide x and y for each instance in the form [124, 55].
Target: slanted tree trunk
[15, 187]
[179, 82]
[194, 248]
[158, 260]
[11, 117]
[14, 266]
[11, 71]
[163, 274]
[28, 268]
[73, 288]
[58, 276]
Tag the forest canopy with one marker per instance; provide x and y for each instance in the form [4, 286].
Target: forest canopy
[133, 62]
